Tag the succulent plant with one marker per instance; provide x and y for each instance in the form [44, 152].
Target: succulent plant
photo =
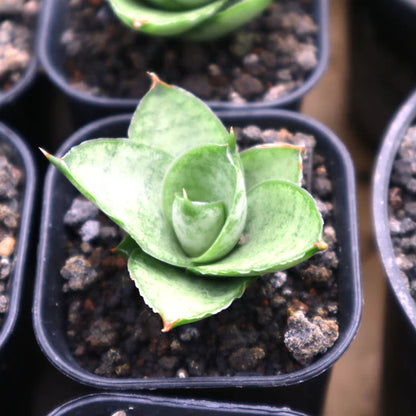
[192, 19]
[202, 220]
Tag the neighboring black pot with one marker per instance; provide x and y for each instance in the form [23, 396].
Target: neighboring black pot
[132, 405]
[303, 389]
[87, 107]
[16, 339]
[24, 105]
[400, 334]
[383, 61]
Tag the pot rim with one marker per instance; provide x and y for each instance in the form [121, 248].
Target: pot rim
[25, 230]
[318, 367]
[399, 124]
[57, 76]
[203, 405]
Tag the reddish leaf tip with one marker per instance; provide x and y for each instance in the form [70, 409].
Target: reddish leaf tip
[321, 245]
[138, 23]
[156, 80]
[47, 154]
[167, 326]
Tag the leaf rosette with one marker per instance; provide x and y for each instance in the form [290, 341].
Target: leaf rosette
[198, 20]
[203, 221]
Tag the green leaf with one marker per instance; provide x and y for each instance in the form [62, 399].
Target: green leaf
[157, 22]
[234, 15]
[283, 228]
[196, 224]
[210, 173]
[124, 179]
[275, 161]
[180, 297]
[174, 120]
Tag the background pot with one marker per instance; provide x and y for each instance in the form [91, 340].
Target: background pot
[303, 389]
[400, 334]
[86, 107]
[23, 105]
[383, 61]
[107, 404]
[16, 340]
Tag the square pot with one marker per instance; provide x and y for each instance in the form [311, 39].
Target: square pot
[134, 405]
[17, 344]
[87, 107]
[303, 389]
[399, 369]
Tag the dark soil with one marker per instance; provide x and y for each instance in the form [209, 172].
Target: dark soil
[402, 209]
[10, 184]
[17, 21]
[269, 58]
[282, 323]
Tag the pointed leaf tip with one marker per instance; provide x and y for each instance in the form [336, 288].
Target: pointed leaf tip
[137, 23]
[321, 245]
[46, 154]
[167, 326]
[156, 80]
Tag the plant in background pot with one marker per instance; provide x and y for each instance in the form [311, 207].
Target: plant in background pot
[273, 60]
[200, 20]
[196, 211]
[93, 325]
[394, 222]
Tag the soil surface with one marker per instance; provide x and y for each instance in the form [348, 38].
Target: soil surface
[269, 58]
[10, 184]
[283, 322]
[17, 21]
[402, 209]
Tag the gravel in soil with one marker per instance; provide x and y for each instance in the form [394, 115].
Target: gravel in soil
[266, 60]
[10, 184]
[402, 209]
[283, 322]
[17, 21]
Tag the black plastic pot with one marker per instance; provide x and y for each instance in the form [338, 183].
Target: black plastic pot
[87, 107]
[303, 389]
[19, 153]
[383, 61]
[400, 334]
[16, 339]
[26, 105]
[107, 404]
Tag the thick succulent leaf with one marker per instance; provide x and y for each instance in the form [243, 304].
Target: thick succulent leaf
[283, 228]
[272, 162]
[174, 120]
[196, 224]
[124, 179]
[231, 17]
[211, 173]
[156, 22]
[180, 297]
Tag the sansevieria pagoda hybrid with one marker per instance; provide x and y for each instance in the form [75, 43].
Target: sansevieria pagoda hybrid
[203, 221]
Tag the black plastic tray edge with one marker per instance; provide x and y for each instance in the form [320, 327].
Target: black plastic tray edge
[119, 105]
[196, 405]
[322, 365]
[25, 231]
[394, 133]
